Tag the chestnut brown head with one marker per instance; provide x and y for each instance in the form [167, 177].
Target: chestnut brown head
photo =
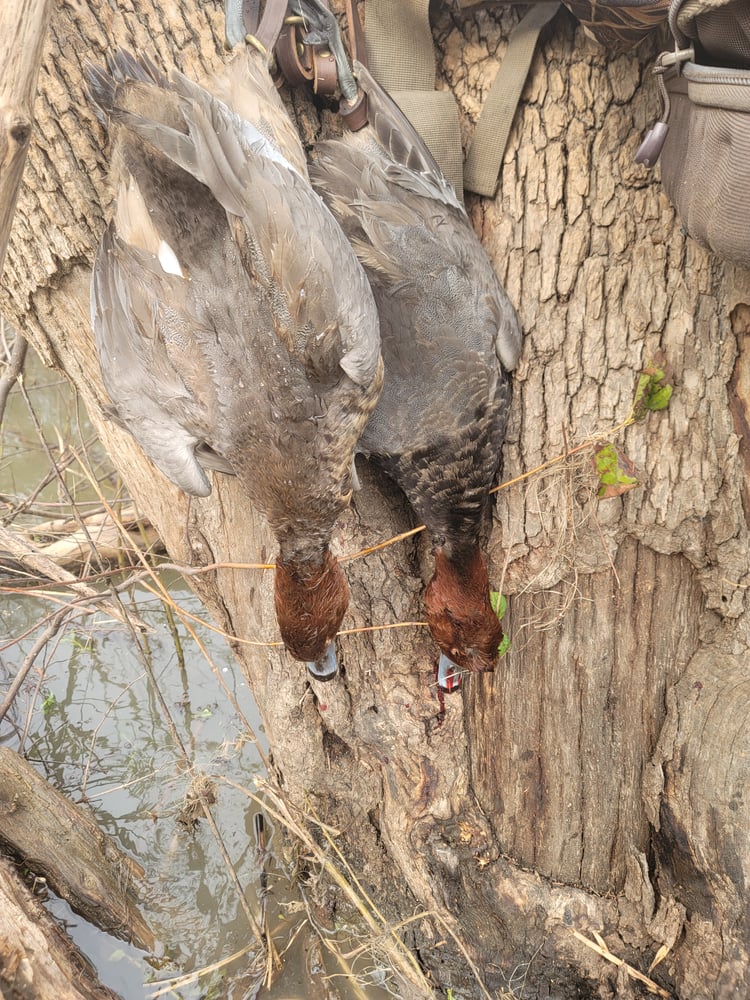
[311, 601]
[459, 612]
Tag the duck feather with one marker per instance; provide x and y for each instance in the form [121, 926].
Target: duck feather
[218, 333]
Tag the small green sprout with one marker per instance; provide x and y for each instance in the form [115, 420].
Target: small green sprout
[499, 605]
[614, 470]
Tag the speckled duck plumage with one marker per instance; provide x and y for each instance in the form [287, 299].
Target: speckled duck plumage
[450, 337]
[235, 328]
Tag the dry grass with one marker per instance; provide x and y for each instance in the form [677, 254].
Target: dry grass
[560, 491]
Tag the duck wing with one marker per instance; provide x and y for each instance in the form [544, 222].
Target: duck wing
[246, 87]
[144, 347]
[383, 186]
[237, 329]
[411, 165]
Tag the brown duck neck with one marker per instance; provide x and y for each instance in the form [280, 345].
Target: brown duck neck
[311, 598]
[463, 576]
[459, 612]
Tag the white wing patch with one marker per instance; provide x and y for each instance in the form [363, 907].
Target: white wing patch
[261, 146]
[168, 260]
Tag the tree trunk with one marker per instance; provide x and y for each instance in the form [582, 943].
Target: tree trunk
[595, 784]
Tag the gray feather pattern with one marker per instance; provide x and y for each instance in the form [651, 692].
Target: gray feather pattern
[449, 333]
[249, 352]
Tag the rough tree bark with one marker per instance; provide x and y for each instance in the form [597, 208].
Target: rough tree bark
[596, 782]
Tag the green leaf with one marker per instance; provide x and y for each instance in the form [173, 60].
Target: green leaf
[498, 603]
[653, 391]
[659, 398]
[48, 704]
[614, 470]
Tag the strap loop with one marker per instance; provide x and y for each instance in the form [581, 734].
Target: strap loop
[485, 155]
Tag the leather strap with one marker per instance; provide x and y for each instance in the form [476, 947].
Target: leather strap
[357, 46]
[303, 64]
[242, 18]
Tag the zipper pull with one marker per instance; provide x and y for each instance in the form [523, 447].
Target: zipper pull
[650, 149]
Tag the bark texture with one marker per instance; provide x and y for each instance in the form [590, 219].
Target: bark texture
[23, 26]
[596, 782]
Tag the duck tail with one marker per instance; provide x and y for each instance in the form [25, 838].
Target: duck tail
[184, 122]
[176, 118]
[104, 85]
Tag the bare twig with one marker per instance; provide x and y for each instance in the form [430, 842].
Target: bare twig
[30, 658]
[13, 370]
[58, 472]
[402, 959]
[600, 947]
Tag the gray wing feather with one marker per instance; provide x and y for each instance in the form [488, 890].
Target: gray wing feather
[149, 395]
[413, 165]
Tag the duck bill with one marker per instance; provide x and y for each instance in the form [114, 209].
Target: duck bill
[326, 668]
[448, 674]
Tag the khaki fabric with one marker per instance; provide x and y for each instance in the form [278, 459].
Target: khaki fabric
[705, 162]
[485, 155]
[401, 57]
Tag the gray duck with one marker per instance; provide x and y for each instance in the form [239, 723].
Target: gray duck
[450, 338]
[235, 328]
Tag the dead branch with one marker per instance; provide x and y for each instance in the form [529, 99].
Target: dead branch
[15, 365]
[23, 25]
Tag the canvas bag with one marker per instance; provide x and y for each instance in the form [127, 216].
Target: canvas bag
[704, 135]
[401, 57]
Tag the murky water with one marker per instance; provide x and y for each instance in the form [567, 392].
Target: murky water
[89, 718]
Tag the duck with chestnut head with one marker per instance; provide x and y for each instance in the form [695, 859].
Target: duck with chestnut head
[450, 338]
[235, 328]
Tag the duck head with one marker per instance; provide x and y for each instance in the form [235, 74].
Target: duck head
[311, 600]
[460, 616]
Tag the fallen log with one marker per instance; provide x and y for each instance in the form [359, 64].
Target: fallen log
[31, 559]
[37, 959]
[100, 535]
[60, 841]
[74, 542]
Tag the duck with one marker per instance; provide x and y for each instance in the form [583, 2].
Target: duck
[235, 329]
[450, 339]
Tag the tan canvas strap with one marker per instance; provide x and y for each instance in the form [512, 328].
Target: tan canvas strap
[401, 57]
[274, 13]
[485, 156]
